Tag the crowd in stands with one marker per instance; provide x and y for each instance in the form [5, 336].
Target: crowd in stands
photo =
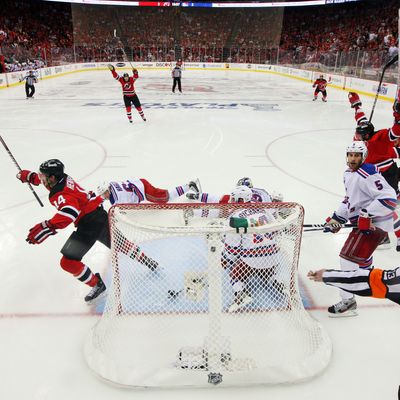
[35, 33]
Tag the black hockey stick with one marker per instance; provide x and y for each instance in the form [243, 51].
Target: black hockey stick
[387, 65]
[320, 227]
[19, 169]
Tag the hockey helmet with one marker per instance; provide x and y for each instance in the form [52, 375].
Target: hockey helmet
[358, 146]
[245, 182]
[241, 194]
[52, 167]
[365, 130]
[125, 75]
[103, 187]
[321, 76]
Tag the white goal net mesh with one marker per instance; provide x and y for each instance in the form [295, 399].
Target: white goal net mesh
[191, 301]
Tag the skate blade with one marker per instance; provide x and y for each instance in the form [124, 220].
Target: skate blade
[350, 313]
[97, 299]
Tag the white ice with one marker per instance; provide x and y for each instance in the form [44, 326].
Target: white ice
[276, 135]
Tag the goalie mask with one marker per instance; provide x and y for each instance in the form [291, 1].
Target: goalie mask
[102, 187]
[241, 194]
[245, 182]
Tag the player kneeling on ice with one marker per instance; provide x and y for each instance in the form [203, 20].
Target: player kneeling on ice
[128, 90]
[369, 204]
[250, 255]
[375, 282]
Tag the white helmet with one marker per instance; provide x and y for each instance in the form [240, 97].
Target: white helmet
[358, 146]
[103, 187]
[276, 197]
[241, 194]
[245, 182]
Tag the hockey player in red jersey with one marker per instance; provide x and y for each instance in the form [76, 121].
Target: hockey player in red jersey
[382, 148]
[128, 89]
[320, 86]
[84, 209]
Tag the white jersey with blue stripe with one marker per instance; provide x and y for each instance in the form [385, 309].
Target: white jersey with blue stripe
[367, 189]
[127, 192]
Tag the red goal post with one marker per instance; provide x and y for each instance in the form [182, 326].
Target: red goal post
[222, 307]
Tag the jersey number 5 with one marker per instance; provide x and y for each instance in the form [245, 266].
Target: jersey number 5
[378, 185]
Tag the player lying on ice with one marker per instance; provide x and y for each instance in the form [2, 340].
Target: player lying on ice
[375, 282]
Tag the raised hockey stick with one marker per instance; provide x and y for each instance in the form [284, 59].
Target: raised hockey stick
[386, 66]
[120, 28]
[19, 169]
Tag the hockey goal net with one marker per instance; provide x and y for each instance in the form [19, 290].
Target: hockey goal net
[221, 306]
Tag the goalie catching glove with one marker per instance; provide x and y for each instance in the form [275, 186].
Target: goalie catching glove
[40, 232]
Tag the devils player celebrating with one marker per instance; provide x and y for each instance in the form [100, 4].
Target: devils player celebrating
[128, 89]
[382, 148]
[320, 86]
[82, 208]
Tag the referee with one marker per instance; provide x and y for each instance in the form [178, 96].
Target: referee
[29, 84]
[176, 76]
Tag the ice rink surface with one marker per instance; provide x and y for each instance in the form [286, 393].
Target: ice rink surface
[226, 125]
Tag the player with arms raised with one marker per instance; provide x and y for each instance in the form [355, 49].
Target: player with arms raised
[382, 148]
[320, 85]
[128, 89]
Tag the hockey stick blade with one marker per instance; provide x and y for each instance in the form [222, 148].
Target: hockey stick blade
[19, 169]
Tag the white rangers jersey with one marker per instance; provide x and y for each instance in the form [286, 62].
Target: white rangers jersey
[367, 189]
[257, 250]
[127, 192]
[260, 196]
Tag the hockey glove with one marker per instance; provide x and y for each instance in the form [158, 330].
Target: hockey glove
[135, 71]
[194, 187]
[28, 176]
[333, 224]
[364, 223]
[354, 100]
[40, 232]
[111, 67]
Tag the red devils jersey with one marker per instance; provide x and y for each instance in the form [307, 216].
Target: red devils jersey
[128, 88]
[72, 202]
[321, 84]
[382, 146]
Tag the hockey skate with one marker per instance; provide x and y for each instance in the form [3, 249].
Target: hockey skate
[385, 244]
[314, 99]
[345, 308]
[324, 100]
[97, 292]
[241, 300]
